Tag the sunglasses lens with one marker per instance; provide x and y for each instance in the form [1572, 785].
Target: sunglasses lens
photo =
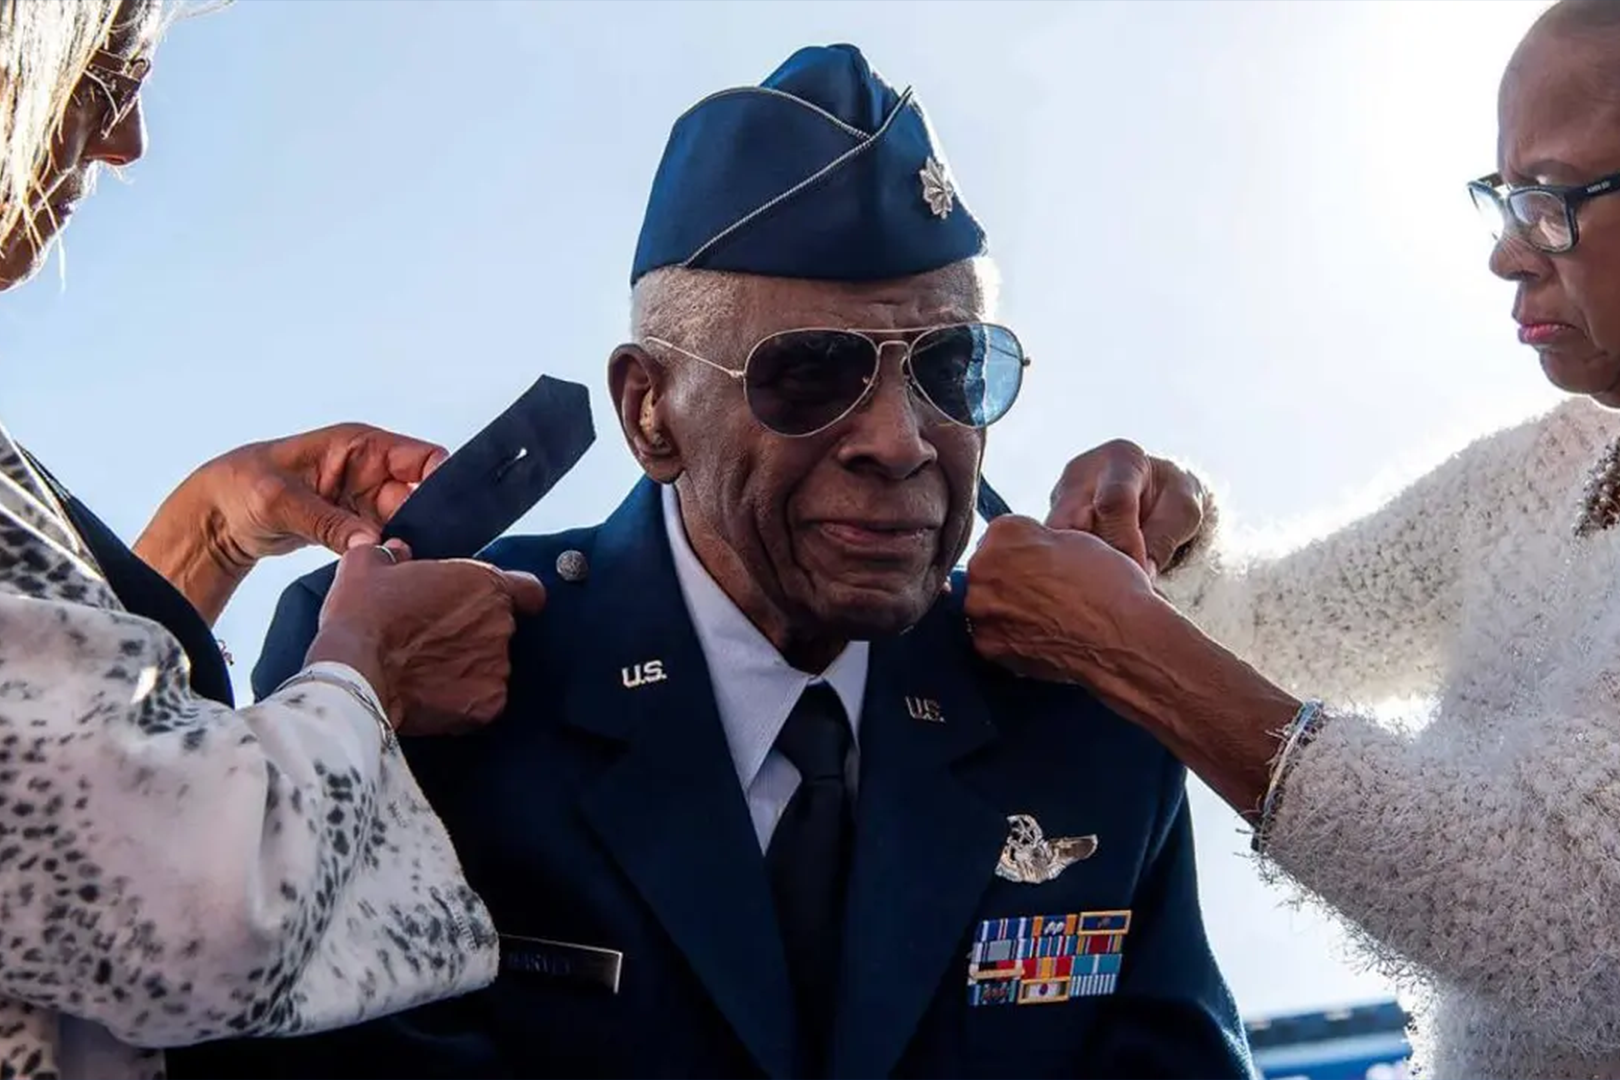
[971, 373]
[799, 381]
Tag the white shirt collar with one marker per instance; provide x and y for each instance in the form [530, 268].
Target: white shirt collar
[754, 687]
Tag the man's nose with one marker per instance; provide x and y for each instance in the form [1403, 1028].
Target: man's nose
[887, 432]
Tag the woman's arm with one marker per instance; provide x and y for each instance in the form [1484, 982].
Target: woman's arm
[188, 543]
[1493, 872]
[1485, 857]
[178, 871]
[1367, 612]
[335, 486]
[1482, 854]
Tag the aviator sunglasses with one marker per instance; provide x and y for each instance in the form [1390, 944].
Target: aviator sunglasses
[802, 382]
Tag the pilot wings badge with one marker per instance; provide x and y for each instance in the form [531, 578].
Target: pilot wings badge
[1029, 858]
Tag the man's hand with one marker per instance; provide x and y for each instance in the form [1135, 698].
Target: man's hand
[335, 487]
[1146, 507]
[1053, 605]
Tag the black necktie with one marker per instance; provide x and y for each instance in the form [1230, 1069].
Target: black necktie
[808, 860]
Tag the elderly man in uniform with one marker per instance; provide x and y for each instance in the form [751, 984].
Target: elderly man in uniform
[757, 806]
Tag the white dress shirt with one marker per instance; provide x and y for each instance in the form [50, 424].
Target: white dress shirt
[754, 687]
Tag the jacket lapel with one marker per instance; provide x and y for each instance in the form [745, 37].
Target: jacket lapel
[926, 843]
[670, 809]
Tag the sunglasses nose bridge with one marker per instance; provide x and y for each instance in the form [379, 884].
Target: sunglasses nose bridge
[874, 384]
[898, 343]
[878, 350]
[908, 370]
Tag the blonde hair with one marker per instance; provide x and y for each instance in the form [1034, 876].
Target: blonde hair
[682, 305]
[45, 48]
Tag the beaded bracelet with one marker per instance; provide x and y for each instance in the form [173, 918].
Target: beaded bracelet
[1295, 737]
[363, 694]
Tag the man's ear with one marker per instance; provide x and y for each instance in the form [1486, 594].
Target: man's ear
[637, 383]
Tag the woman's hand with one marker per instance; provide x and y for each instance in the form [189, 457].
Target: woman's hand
[1146, 507]
[1054, 605]
[1064, 606]
[335, 487]
[433, 638]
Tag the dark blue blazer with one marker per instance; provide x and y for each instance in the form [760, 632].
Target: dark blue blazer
[604, 812]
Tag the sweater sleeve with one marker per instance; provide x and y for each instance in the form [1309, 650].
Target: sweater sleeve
[179, 871]
[1484, 865]
[1367, 612]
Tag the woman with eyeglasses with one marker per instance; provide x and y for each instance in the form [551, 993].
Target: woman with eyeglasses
[173, 870]
[1477, 852]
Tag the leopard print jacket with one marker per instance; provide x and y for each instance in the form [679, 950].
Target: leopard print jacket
[174, 871]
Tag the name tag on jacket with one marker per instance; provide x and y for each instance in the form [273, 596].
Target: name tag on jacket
[586, 965]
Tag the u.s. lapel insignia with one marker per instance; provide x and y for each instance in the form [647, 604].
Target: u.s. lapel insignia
[642, 674]
[937, 190]
[1029, 858]
[1046, 959]
[922, 708]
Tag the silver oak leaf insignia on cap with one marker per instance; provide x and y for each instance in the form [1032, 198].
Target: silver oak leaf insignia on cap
[1029, 858]
[937, 189]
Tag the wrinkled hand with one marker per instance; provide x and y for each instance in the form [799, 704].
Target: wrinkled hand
[433, 637]
[1146, 507]
[1054, 605]
[1065, 607]
[336, 487]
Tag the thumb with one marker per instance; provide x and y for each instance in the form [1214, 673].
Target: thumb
[1166, 529]
[393, 553]
[439, 456]
[528, 595]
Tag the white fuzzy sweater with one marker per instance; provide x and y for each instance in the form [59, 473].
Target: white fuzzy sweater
[1476, 853]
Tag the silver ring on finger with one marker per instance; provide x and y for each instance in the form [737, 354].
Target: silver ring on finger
[388, 551]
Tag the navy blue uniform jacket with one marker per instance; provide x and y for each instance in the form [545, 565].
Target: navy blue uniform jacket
[603, 814]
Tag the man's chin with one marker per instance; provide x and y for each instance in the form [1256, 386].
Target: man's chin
[866, 614]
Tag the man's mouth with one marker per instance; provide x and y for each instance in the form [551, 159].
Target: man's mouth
[880, 539]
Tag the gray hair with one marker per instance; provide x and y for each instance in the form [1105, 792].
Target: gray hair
[684, 305]
[45, 48]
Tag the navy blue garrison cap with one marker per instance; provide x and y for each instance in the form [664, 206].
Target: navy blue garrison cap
[822, 171]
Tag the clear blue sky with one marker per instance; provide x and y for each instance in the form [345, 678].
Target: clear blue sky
[1233, 231]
